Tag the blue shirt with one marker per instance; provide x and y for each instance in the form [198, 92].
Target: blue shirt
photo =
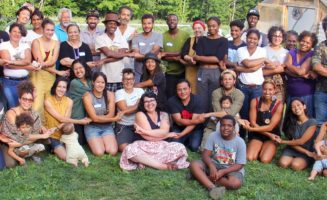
[61, 33]
[232, 51]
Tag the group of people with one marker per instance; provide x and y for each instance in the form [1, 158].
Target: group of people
[151, 95]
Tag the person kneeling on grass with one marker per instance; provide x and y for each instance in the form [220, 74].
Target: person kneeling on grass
[22, 145]
[223, 160]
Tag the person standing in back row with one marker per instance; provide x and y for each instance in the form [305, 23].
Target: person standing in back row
[174, 40]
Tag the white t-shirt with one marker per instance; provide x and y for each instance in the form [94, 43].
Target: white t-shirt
[127, 34]
[130, 99]
[32, 35]
[17, 53]
[112, 69]
[276, 55]
[251, 78]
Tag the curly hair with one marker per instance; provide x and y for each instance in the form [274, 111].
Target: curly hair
[273, 30]
[313, 37]
[25, 87]
[24, 118]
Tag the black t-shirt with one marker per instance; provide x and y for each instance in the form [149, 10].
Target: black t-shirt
[212, 47]
[195, 106]
[3, 38]
[83, 53]
[187, 46]
[159, 88]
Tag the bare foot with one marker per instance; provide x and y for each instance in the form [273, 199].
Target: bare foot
[311, 178]
[86, 164]
[171, 166]
[140, 166]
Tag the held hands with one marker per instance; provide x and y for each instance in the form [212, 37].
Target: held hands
[119, 116]
[65, 73]
[85, 121]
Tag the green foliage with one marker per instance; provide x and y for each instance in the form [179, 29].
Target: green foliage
[185, 9]
[103, 179]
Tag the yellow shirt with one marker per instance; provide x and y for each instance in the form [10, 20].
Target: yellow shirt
[61, 107]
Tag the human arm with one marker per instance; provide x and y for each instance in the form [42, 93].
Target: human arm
[302, 140]
[121, 101]
[12, 154]
[87, 101]
[143, 127]
[301, 71]
[274, 121]
[24, 63]
[319, 60]
[66, 117]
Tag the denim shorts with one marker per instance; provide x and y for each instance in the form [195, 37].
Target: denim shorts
[98, 130]
[55, 143]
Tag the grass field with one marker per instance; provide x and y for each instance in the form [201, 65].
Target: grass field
[103, 179]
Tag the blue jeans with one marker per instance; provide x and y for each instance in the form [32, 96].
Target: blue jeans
[191, 140]
[308, 101]
[250, 92]
[10, 91]
[320, 105]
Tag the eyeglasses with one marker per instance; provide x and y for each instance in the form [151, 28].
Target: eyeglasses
[277, 36]
[27, 100]
[128, 79]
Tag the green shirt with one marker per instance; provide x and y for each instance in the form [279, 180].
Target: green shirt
[174, 44]
[320, 57]
[76, 91]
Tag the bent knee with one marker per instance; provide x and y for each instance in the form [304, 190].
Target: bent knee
[234, 185]
[283, 164]
[98, 153]
[298, 166]
[265, 160]
[251, 157]
[112, 152]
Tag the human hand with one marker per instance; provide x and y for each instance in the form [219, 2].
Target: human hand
[312, 75]
[65, 73]
[172, 135]
[22, 161]
[213, 174]
[119, 116]
[85, 121]
[275, 138]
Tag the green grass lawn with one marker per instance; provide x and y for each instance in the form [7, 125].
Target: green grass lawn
[103, 179]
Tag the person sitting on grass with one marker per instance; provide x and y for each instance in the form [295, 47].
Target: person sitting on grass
[22, 146]
[152, 127]
[223, 160]
[320, 166]
[265, 115]
[300, 130]
[74, 151]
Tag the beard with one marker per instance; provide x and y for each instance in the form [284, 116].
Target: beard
[65, 24]
[124, 21]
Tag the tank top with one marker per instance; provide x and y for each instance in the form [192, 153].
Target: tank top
[99, 106]
[153, 125]
[298, 86]
[264, 117]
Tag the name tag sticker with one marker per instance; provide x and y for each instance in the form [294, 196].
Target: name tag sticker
[152, 43]
[81, 53]
[141, 43]
[170, 44]
[97, 106]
